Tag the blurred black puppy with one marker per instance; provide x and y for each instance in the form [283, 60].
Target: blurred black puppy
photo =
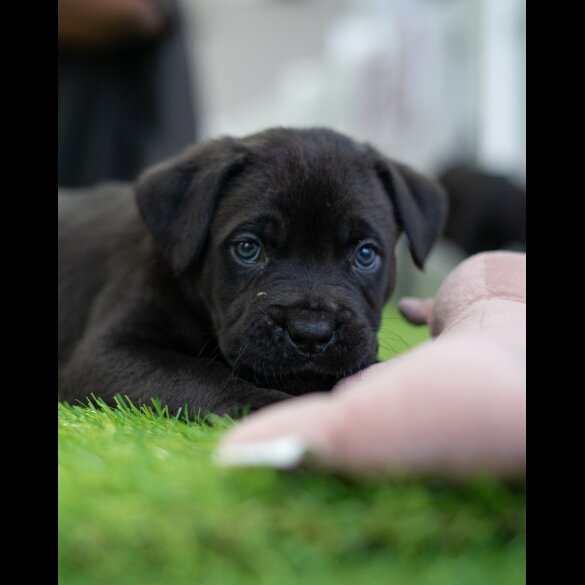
[237, 274]
[486, 211]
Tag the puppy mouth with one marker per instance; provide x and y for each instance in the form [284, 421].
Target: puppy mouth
[299, 373]
[294, 380]
[304, 351]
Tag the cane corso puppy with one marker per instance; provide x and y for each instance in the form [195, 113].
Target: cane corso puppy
[237, 274]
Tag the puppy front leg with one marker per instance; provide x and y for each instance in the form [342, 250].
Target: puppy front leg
[142, 373]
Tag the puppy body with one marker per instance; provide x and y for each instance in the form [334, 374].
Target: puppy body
[237, 274]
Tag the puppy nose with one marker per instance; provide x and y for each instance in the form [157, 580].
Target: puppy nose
[310, 335]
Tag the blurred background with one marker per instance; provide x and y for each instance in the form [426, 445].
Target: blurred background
[427, 81]
[438, 84]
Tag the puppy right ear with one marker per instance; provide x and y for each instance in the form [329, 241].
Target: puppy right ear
[177, 198]
[420, 205]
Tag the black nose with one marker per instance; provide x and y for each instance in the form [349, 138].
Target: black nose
[310, 335]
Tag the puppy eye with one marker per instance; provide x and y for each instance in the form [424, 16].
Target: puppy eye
[366, 257]
[247, 251]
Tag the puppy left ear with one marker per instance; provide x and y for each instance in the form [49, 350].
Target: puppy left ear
[419, 203]
[177, 198]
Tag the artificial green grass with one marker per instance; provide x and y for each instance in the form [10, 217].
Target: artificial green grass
[396, 335]
[141, 502]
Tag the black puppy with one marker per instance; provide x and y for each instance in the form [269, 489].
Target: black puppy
[237, 274]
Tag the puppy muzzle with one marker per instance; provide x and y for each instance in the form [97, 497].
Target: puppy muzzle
[308, 332]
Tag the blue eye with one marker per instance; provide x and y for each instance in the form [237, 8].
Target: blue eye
[366, 257]
[247, 251]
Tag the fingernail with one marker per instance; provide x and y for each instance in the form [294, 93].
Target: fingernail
[281, 453]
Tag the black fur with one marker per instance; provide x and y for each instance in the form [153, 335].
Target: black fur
[486, 211]
[153, 301]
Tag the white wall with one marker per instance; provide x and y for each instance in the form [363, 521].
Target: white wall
[425, 81]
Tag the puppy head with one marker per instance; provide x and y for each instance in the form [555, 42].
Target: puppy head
[287, 238]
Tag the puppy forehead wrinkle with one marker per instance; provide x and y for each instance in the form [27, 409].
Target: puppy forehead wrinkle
[252, 216]
[337, 218]
[305, 185]
[359, 227]
[263, 225]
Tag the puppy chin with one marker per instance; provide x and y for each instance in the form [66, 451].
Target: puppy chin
[309, 381]
[264, 357]
[300, 376]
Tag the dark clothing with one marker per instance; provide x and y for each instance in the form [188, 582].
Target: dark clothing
[122, 110]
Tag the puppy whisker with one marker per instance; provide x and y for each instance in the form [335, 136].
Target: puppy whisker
[215, 354]
[241, 353]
